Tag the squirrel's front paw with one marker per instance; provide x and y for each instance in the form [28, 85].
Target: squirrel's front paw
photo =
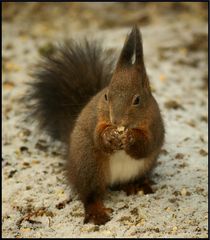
[136, 143]
[111, 139]
[128, 138]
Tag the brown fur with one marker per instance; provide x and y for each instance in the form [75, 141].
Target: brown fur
[96, 212]
[82, 102]
[95, 135]
[134, 187]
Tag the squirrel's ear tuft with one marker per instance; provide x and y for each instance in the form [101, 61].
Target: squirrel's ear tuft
[139, 56]
[132, 52]
[127, 52]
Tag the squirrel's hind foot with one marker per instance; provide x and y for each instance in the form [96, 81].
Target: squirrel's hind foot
[96, 213]
[135, 187]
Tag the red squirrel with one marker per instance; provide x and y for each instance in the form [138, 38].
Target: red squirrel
[104, 113]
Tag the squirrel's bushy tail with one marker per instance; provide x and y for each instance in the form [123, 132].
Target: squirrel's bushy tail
[65, 82]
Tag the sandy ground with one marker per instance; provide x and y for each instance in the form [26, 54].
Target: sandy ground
[37, 201]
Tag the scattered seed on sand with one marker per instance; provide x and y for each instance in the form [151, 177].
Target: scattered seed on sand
[183, 165]
[172, 200]
[203, 152]
[179, 156]
[40, 146]
[12, 173]
[134, 211]
[23, 149]
[47, 49]
[184, 192]
[191, 123]
[164, 152]
[204, 118]
[172, 104]
[62, 205]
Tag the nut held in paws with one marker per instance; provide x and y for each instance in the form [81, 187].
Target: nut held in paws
[121, 129]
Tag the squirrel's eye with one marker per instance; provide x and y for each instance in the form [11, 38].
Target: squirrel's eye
[136, 100]
[105, 96]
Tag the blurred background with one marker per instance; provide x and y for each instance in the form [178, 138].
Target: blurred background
[101, 15]
[44, 23]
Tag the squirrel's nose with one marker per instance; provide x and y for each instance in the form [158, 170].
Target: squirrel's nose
[115, 121]
[118, 122]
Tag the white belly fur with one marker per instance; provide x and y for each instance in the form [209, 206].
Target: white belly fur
[124, 168]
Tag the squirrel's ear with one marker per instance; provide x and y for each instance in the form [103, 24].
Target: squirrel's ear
[139, 56]
[127, 52]
[132, 49]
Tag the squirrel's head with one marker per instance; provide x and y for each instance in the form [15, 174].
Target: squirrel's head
[129, 92]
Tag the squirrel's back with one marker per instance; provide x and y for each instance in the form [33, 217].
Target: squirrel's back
[65, 82]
